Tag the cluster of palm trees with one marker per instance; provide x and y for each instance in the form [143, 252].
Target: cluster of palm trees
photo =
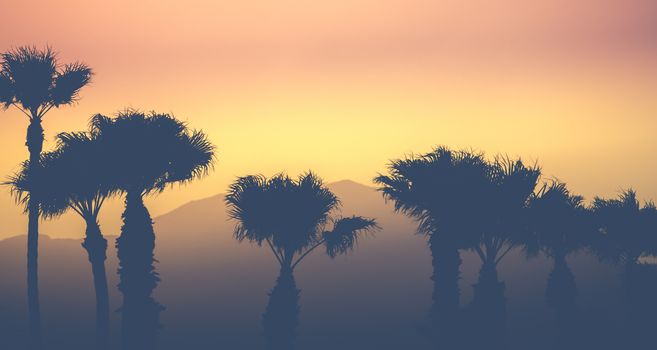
[461, 200]
[133, 155]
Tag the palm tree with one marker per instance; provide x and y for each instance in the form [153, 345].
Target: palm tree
[281, 317]
[74, 177]
[148, 152]
[628, 232]
[446, 191]
[34, 82]
[558, 220]
[290, 216]
[560, 226]
[627, 228]
[511, 184]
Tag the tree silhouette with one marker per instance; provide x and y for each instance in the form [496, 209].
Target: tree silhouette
[290, 216]
[628, 232]
[148, 151]
[560, 225]
[511, 185]
[627, 228]
[34, 82]
[75, 177]
[446, 191]
[281, 317]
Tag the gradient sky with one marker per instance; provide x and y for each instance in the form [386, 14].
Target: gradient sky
[340, 87]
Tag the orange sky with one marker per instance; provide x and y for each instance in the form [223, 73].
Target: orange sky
[340, 87]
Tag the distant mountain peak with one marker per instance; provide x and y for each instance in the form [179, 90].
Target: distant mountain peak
[347, 182]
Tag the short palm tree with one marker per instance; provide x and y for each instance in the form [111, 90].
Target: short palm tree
[33, 81]
[74, 177]
[628, 232]
[560, 225]
[511, 183]
[290, 216]
[148, 152]
[628, 229]
[446, 191]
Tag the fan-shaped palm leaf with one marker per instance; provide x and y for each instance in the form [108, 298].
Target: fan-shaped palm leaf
[68, 82]
[344, 236]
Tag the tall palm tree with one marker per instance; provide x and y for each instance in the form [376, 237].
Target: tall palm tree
[447, 192]
[33, 81]
[290, 216]
[75, 177]
[149, 152]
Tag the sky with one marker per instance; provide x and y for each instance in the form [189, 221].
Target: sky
[342, 87]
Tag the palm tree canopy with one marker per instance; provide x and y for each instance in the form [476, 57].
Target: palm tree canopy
[345, 234]
[514, 183]
[559, 220]
[447, 188]
[291, 215]
[149, 151]
[73, 176]
[34, 81]
[628, 229]
[443, 188]
[289, 212]
[26, 185]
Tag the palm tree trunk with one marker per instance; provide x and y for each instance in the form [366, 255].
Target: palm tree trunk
[138, 278]
[488, 307]
[34, 142]
[281, 317]
[561, 296]
[96, 247]
[446, 261]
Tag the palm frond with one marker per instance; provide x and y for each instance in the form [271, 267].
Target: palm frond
[345, 234]
[191, 159]
[26, 185]
[67, 84]
[6, 90]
